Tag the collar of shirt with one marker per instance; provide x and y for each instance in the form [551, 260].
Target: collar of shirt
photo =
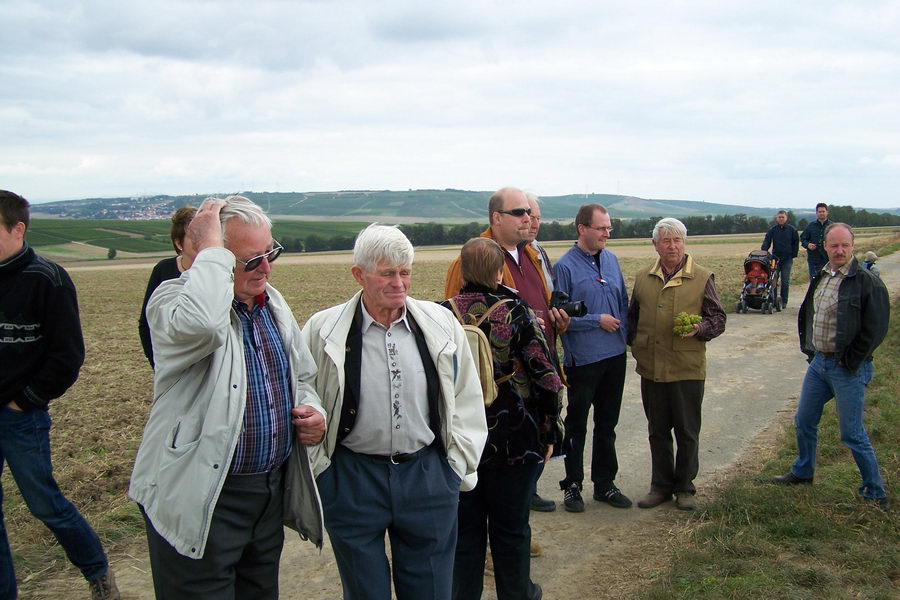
[258, 302]
[833, 272]
[368, 321]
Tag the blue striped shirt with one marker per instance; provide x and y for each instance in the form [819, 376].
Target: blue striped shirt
[267, 434]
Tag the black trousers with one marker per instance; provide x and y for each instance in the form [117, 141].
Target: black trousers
[243, 548]
[600, 385]
[498, 507]
[673, 406]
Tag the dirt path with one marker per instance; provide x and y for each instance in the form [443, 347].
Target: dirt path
[754, 375]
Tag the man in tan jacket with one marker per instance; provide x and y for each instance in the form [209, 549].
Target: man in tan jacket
[672, 367]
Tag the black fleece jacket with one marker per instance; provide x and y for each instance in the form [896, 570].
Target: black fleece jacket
[41, 346]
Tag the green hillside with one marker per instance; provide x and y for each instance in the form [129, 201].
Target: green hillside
[153, 235]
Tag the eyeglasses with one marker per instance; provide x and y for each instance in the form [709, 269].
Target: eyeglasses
[516, 212]
[252, 264]
[606, 229]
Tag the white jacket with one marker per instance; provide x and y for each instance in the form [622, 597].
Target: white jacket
[463, 425]
[199, 400]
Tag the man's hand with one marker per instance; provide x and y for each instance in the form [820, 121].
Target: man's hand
[548, 453]
[810, 246]
[559, 319]
[609, 323]
[205, 229]
[693, 333]
[12, 404]
[309, 424]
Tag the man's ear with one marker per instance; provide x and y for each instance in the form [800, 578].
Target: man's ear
[357, 272]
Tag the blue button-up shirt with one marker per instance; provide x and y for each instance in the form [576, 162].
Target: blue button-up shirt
[266, 437]
[602, 288]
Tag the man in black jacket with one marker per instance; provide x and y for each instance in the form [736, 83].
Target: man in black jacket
[844, 317]
[785, 243]
[813, 239]
[41, 350]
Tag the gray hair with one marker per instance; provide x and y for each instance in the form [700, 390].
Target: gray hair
[671, 225]
[533, 198]
[382, 243]
[244, 210]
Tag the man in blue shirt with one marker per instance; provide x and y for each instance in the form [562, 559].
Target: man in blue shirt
[785, 243]
[594, 347]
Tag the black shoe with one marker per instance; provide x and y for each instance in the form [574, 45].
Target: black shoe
[572, 498]
[534, 591]
[790, 479]
[882, 503]
[784, 303]
[613, 497]
[542, 505]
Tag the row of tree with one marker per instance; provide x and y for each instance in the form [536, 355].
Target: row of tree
[435, 234]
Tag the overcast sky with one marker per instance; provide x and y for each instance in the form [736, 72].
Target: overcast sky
[763, 103]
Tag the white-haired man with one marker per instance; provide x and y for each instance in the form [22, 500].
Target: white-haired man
[400, 388]
[672, 367]
[219, 471]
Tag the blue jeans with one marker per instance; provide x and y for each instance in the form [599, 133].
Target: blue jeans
[826, 379]
[784, 273]
[25, 446]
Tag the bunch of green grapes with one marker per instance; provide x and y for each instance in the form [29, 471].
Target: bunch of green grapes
[684, 323]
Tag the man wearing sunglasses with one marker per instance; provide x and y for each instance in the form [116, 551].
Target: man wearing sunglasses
[510, 225]
[222, 466]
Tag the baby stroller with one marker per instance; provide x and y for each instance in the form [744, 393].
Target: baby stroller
[760, 288]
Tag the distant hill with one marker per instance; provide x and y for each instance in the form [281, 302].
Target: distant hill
[447, 206]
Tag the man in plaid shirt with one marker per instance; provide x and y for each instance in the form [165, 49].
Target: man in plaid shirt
[844, 317]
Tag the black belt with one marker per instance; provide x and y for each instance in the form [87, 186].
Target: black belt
[828, 354]
[398, 458]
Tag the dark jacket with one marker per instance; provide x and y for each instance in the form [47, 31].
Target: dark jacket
[164, 270]
[863, 312]
[523, 418]
[815, 234]
[41, 346]
[783, 239]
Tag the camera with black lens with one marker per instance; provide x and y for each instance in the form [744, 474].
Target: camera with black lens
[560, 300]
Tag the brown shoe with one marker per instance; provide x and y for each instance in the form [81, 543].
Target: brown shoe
[653, 498]
[535, 549]
[685, 501]
[104, 587]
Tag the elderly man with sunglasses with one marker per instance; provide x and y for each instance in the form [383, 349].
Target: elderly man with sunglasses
[222, 465]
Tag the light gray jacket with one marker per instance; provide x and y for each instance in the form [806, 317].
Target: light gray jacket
[199, 400]
[463, 425]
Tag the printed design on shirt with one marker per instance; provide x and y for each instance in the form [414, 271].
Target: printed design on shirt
[396, 382]
[19, 333]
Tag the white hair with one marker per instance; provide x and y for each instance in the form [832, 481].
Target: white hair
[382, 243]
[533, 198]
[671, 225]
[244, 210]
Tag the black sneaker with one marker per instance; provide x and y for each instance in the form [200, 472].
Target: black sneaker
[613, 497]
[542, 504]
[572, 498]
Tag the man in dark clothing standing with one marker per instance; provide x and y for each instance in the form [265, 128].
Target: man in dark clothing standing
[843, 319]
[813, 239]
[785, 243]
[41, 350]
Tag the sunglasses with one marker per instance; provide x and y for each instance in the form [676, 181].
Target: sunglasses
[253, 263]
[516, 212]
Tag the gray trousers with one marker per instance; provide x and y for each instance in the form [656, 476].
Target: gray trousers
[242, 550]
[673, 406]
[415, 503]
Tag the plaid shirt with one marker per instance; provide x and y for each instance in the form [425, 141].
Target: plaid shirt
[825, 305]
[266, 437]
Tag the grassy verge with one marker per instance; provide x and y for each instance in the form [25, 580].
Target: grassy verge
[759, 540]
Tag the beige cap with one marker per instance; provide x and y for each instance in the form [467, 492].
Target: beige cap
[870, 256]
